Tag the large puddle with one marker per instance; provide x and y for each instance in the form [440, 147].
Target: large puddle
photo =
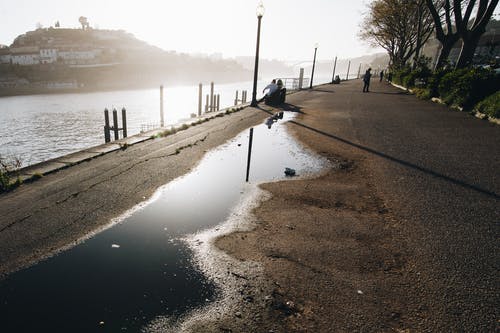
[126, 276]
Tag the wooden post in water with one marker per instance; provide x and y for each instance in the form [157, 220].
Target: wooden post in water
[124, 122]
[206, 104]
[218, 102]
[200, 87]
[301, 78]
[107, 137]
[211, 96]
[161, 106]
[115, 124]
[348, 67]
[249, 153]
[236, 98]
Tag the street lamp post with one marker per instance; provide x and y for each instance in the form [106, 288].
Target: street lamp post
[334, 67]
[314, 63]
[260, 13]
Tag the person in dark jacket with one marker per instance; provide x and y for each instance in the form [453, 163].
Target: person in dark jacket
[366, 80]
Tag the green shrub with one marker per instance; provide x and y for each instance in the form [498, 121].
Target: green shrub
[37, 175]
[407, 76]
[434, 80]
[7, 173]
[422, 73]
[490, 105]
[399, 76]
[423, 93]
[466, 87]
[4, 181]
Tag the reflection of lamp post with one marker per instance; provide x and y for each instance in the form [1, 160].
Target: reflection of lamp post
[314, 63]
[260, 13]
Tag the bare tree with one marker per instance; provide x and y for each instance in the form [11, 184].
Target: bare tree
[425, 27]
[446, 32]
[471, 33]
[401, 27]
[452, 24]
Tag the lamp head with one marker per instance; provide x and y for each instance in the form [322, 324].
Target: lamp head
[316, 45]
[260, 10]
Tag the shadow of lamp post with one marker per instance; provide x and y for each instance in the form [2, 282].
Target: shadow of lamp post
[314, 63]
[260, 13]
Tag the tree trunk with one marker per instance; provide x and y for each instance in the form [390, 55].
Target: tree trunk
[471, 36]
[468, 48]
[418, 46]
[446, 46]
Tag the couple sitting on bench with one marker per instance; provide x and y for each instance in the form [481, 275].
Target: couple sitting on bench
[276, 93]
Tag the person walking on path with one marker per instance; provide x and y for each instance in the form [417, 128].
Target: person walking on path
[381, 76]
[366, 80]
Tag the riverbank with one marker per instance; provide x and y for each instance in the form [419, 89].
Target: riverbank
[38, 90]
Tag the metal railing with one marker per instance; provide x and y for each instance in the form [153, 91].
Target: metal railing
[293, 83]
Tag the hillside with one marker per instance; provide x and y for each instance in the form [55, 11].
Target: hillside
[48, 59]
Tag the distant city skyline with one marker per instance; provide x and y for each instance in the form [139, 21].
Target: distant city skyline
[227, 27]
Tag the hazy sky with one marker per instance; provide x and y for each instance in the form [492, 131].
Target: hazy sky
[290, 28]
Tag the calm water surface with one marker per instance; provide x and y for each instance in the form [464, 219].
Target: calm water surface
[40, 127]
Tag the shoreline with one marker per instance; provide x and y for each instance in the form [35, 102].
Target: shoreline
[31, 91]
[35, 171]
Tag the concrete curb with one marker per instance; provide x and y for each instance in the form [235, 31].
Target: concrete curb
[35, 171]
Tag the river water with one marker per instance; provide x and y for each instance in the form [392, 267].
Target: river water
[40, 127]
[37, 128]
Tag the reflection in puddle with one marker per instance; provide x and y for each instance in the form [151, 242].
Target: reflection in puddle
[124, 277]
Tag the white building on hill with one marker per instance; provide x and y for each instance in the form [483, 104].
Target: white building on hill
[72, 56]
[5, 55]
[33, 55]
[25, 55]
[48, 56]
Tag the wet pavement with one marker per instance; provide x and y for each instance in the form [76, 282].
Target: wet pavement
[126, 276]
